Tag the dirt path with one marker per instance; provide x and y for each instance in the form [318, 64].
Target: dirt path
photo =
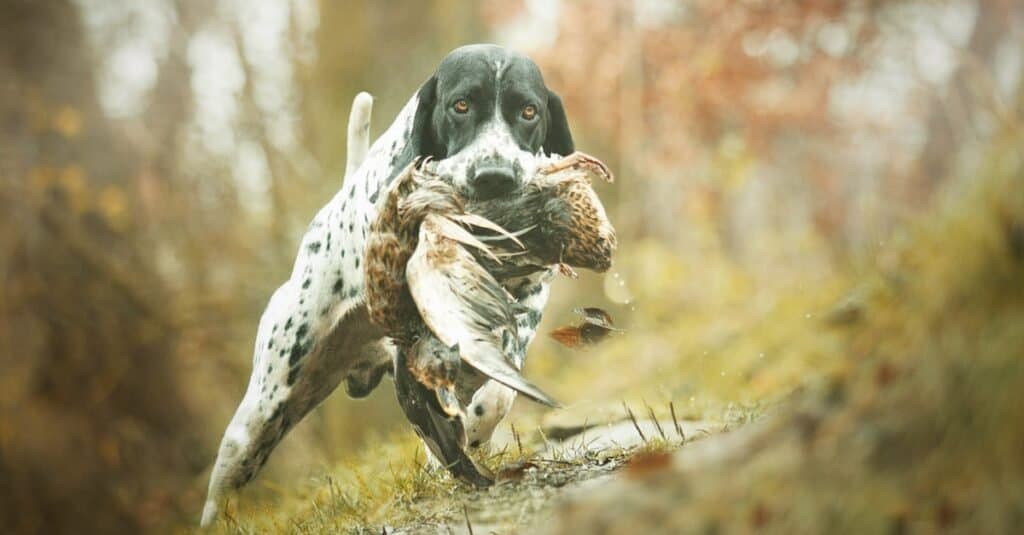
[531, 488]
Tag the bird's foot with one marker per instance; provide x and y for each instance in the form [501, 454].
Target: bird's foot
[578, 160]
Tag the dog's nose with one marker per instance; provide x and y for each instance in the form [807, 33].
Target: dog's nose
[490, 182]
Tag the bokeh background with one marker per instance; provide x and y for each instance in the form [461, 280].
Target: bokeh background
[160, 159]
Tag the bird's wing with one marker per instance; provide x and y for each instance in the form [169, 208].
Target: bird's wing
[463, 305]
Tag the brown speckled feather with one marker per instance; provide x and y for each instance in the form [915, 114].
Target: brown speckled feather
[567, 222]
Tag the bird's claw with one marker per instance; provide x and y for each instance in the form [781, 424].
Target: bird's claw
[581, 159]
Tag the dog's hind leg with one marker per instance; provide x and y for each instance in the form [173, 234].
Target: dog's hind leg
[261, 419]
[295, 367]
[375, 360]
[247, 443]
[315, 330]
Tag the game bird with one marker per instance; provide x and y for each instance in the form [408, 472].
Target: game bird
[434, 269]
[452, 323]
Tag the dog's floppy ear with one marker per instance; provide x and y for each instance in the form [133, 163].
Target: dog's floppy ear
[559, 139]
[422, 141]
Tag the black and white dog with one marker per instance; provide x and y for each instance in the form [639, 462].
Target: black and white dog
[485, 115]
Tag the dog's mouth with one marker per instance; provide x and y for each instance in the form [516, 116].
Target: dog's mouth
[494, 195]
[487, 177]
[493, 178]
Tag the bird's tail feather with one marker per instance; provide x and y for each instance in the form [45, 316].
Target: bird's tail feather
[488, 360]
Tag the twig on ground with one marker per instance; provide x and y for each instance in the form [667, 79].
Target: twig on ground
[469, 525]
[544, 437]
[679, 428]
[657, 424]
[635, 423]
[557, 461]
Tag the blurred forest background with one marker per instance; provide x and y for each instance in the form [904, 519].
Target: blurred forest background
[160, 159]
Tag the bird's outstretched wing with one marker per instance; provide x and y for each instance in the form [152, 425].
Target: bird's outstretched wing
[463, 305]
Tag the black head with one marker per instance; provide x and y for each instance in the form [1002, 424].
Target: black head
[485, 115]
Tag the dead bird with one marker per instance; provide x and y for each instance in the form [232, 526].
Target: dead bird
[443, 311]
[419, 271]
[434, 268]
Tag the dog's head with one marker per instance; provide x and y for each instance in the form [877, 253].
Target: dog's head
[486, 115]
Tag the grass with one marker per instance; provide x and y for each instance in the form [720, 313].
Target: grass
[721, 362]
[886, 400]
[394, 487]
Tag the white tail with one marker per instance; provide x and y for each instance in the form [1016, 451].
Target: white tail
[358, 132]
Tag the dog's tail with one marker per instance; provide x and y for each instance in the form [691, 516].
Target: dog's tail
[358, 132]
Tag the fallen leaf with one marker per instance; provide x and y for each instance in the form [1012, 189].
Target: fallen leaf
[646, 463]
[597, 325]
[515, 471]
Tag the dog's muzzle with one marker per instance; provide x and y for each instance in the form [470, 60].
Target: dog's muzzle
[492, 178]
[490, 182]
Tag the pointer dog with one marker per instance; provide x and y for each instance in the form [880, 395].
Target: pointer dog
[484, 115]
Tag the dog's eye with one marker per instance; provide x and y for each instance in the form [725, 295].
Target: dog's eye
[461, 106]
[529, 112]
